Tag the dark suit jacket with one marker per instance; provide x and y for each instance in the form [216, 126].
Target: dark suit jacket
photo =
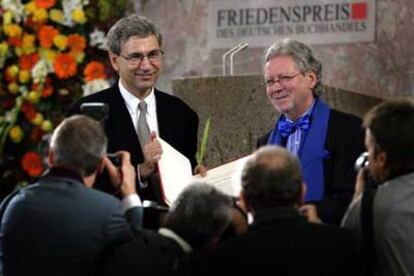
[344, 142]
[149, 254]
[177, 124]
[60, 227]
[281, 242]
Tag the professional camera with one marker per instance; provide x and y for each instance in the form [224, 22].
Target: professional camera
[100, 112]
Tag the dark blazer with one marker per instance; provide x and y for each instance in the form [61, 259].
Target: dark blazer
[60, 227]
[344, 142]
[149, 254]
[281, 242]
[177, 124]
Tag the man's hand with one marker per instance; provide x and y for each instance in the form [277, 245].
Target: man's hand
[200, 169]
[123, 177]
[152, 154]
[309, 210]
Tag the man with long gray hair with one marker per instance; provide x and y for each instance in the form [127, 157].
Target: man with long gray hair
[326, 141]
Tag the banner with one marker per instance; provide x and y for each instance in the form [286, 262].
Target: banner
[262, 22]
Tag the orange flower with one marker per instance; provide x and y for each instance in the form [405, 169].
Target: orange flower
[26, 62]
[46, 35]
[94, 70]
[32, 164]
[77, 43]
[65, 66]
[45, 3]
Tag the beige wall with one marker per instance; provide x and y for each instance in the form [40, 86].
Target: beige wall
[384, 68]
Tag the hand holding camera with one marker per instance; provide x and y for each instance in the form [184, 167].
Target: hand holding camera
[123, 175]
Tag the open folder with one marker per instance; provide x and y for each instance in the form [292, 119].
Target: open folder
[175, 174]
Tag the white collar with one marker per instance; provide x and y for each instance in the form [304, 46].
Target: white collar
[131, 101]
[172, 235]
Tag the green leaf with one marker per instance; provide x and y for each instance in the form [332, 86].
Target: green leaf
[203, 144]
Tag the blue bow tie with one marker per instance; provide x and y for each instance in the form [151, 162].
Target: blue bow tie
[286, 128]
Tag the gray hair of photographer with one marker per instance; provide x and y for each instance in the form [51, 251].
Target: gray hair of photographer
[273, 178]
[200, 215]
[78, 143]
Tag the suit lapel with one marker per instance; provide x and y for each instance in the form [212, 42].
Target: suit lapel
[121, 128]
[163, 117]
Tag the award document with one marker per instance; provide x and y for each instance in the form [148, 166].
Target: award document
[175, 174]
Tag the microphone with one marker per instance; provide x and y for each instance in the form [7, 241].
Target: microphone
[226, 54]
[242, 47]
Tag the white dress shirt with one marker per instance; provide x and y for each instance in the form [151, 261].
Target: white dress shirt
[132, 103]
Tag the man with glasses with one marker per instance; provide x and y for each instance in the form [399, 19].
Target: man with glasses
[138, 111]
[327, 141]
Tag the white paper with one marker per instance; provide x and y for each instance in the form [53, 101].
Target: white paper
[175, 171]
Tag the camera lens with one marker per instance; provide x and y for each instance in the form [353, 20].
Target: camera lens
[362, 161]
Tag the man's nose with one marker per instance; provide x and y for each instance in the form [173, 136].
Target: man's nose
[145, 63]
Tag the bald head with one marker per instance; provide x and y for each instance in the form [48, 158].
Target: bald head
[272, 178]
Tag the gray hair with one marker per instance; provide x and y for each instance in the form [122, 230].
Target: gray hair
[78, 143]
[272, 178]
[303, 57]
[132, 25]
[200, 214]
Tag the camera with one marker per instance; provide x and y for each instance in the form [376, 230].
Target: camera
[115, 159]
[362, 161]
[100, 112]
[95, 110]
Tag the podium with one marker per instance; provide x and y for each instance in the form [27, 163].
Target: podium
[240, 111]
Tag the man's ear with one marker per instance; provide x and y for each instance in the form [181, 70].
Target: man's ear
[313, 79]
[100, 167]
[114, 61]
[382, 162]
[50, 157]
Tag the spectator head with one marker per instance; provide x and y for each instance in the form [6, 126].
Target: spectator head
[79, 144]
[200, 215]
[389, 138]
[272, 178]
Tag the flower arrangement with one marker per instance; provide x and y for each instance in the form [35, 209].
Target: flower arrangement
[51, 52]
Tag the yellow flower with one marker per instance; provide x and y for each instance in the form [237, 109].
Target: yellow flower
[18, 51]
[56, 15]
[61, 42]
[4, 48]
[38, 120]
[78, 56]
[78, 15]
[7, 18]
[46, 126]
[13, 87]
[24, 76]
[30, 7]
[40, 15]
[12, 70]
[16, 134]
[33, 97]
[28, 44]
[48, 54]
[12, 30]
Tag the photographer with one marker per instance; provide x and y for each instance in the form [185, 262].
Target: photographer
[60, 226]
[389, 214]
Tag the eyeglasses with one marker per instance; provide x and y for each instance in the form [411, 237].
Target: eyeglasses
[137, 58]
[282, 79]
